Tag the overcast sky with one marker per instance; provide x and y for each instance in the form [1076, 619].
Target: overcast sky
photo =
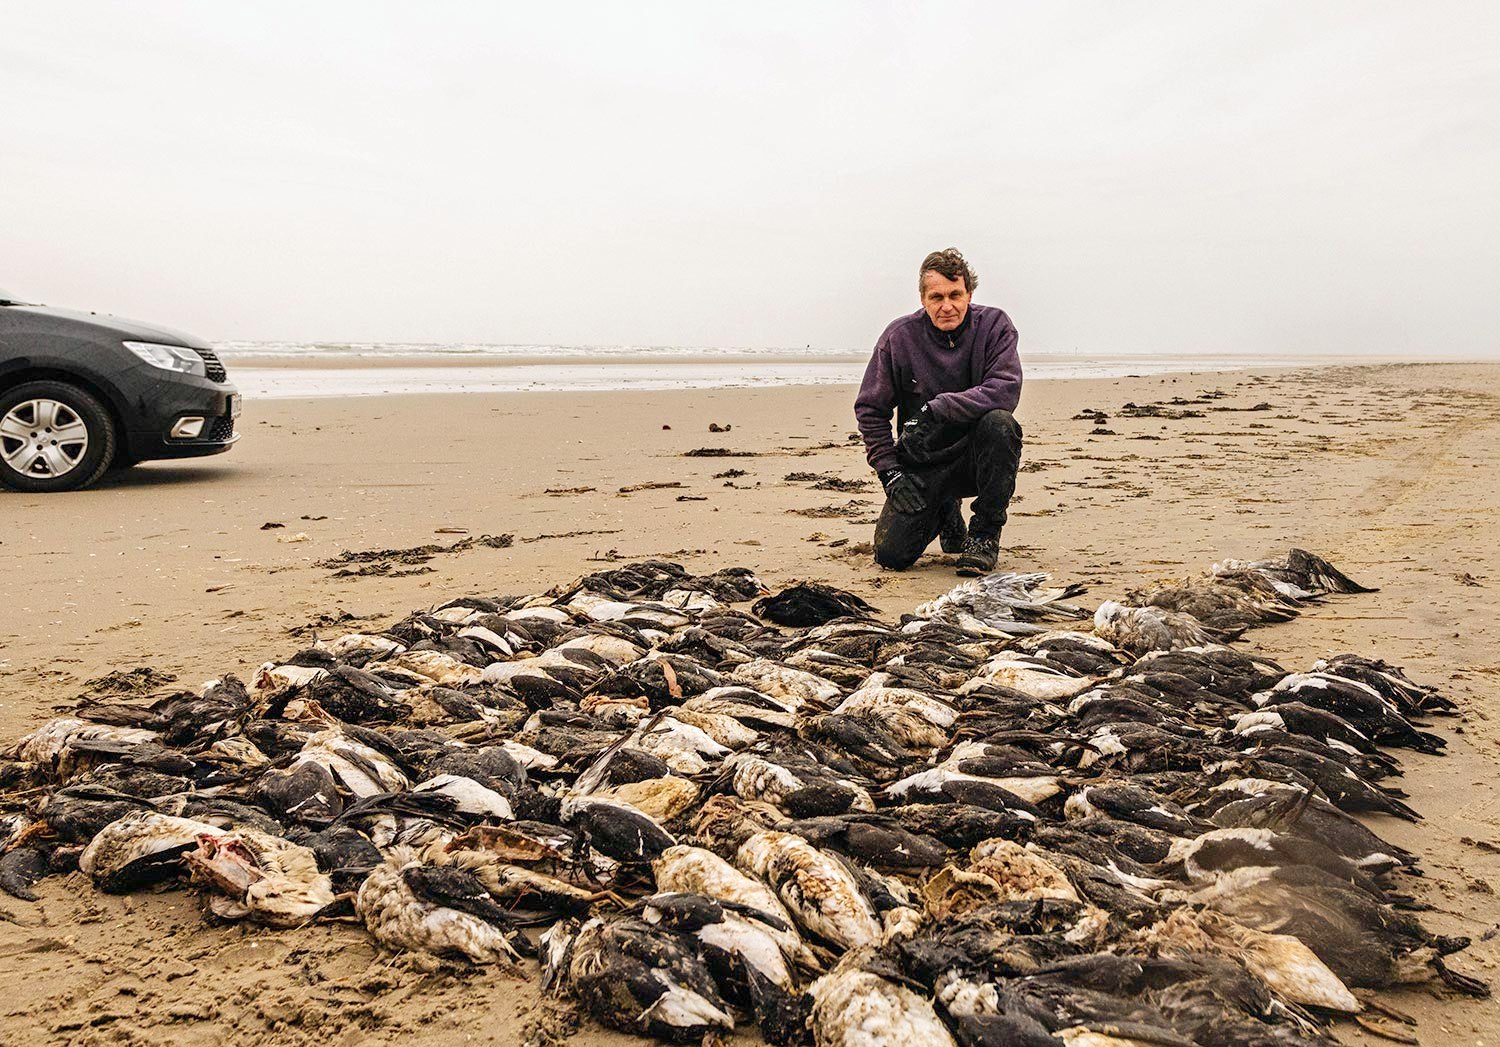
[1297, 177]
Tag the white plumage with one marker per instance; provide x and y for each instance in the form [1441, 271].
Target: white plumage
[398, 919]
[853, 1007]
[819, 892]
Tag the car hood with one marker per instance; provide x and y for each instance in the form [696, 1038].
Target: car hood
[114, 326]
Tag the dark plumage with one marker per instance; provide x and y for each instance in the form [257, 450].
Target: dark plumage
[647, 980]
[877, 840]
[812, 603]
[1295, 811]
[20, 869]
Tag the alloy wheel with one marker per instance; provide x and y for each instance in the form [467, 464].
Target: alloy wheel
[43, 438]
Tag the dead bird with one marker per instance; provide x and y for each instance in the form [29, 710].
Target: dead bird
[820, 892]
[1003, 600]
[797, 689]
[1334, 776]
[1282, 962]
[1299, 574]
[1130, 803]
[1411, 698]
[1001, 940]
[698, 871]
[1214, 668]
[1105, 840]
[1292, 809]
[806, 604]
[67, 746]
[1143, 629]
[1031, 675]
[1211, 854]
[616, 829]
[22, 865]
[643, 979]
[1299, 718]
[260, 876]
[1366, 943]
[737, 940]
[864, 738]
[1374, 767]
[962, 825]
[874, 839]
[1374, 715]
[795, 782]
[181, 718]
[946, 784]
[864, 1001]
[1218, 604]
[443, 911]
[1084, 653]
[995, 871]
[139, 849]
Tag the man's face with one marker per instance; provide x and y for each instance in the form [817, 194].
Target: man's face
[946, 301]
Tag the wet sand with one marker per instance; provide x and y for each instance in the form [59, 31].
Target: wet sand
[1392, 472]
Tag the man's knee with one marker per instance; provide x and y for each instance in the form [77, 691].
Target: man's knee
[896, 547]
[892, 557]
[999, 425]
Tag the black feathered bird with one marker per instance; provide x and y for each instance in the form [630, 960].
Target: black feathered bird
[807, 604]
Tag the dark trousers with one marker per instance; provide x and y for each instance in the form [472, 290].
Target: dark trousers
[981, 464]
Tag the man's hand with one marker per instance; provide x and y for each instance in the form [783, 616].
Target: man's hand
[919, 434]
[904, 491]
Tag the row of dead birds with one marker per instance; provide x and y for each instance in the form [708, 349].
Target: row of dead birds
[994, 822]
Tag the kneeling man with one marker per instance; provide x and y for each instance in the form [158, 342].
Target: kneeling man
[950, 373]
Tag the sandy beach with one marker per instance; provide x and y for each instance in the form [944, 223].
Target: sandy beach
[202, 568]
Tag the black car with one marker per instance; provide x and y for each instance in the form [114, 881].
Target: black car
[82, 393]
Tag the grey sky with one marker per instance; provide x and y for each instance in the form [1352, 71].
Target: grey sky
[1301, 177]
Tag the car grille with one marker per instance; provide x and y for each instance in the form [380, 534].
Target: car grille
[213, 368]
[222, 429]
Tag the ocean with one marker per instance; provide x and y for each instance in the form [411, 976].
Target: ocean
[281, 370]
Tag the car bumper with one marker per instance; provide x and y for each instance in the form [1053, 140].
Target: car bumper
[161, 403]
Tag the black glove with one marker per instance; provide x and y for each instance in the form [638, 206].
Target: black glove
[919, 436]
[904, 491]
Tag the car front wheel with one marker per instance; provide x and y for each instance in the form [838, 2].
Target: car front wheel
[53, 437]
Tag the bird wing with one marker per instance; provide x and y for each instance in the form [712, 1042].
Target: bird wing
[453, 888]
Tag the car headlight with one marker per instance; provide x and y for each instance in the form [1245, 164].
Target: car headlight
[169, 357]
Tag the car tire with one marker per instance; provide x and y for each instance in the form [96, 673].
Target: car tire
[30, 461]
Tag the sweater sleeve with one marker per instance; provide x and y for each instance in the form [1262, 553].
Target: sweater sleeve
[1000, 389]
[874, 406]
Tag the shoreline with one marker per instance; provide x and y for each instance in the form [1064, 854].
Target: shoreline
[289, 378]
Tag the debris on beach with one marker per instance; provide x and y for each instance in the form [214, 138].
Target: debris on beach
[651, 486]
[827, 481]
[1134, 410]
[853, 507]
[143, 679]
[1004, 818]
[384, 561]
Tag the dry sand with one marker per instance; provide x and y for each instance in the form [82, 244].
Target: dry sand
[1391, 471]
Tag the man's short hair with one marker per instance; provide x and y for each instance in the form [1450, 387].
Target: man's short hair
[947, 263]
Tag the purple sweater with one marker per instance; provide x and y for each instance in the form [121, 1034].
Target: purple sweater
[963, 374]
